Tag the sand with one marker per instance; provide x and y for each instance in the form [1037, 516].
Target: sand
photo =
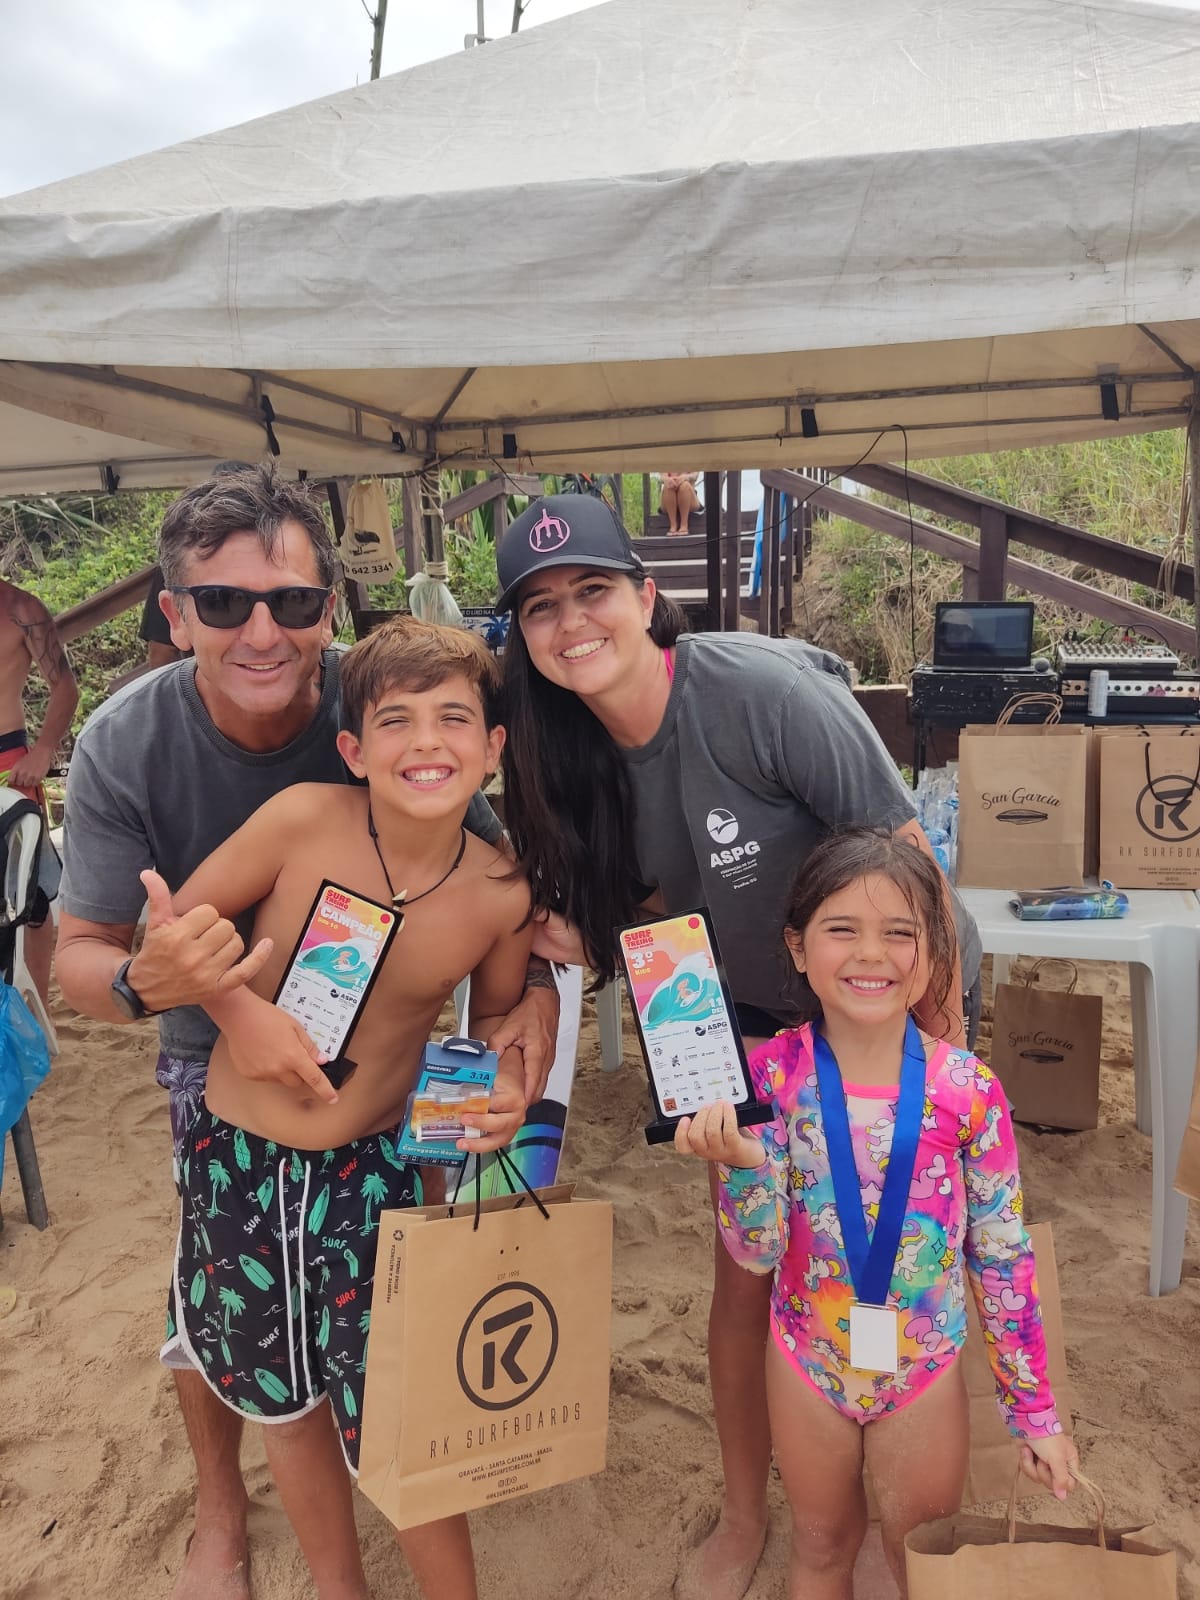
[95, 1482]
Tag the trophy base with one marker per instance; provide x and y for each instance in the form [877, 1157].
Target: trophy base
[661, 1130]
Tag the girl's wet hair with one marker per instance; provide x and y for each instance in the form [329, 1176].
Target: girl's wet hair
[843, 859]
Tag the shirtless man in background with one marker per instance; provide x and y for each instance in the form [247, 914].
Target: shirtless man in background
[29, 638]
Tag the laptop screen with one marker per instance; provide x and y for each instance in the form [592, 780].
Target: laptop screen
[981, 635]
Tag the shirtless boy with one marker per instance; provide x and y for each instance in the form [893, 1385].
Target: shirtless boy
[28, 637]
[283, 1185]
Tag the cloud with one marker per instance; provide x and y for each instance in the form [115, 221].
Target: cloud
[84, 84]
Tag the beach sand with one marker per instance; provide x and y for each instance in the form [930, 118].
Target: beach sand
[95, 1481]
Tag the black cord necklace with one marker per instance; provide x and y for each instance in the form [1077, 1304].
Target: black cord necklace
[400, 899]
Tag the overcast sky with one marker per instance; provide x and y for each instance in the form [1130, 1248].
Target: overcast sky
[84, 83]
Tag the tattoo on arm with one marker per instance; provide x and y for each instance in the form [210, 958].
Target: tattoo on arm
[538, 974]
[45, 648]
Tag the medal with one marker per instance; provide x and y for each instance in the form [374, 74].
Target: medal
[874, 1325]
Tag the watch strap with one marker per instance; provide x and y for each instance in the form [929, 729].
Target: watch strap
[135, 1006]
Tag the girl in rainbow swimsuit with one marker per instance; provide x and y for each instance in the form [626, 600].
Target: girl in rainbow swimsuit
[887, 1179]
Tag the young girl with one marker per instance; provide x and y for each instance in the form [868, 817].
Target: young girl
[889, 1168]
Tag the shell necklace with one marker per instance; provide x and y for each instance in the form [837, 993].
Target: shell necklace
[400, 899]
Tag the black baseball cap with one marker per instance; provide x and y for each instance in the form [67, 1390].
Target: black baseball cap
[562, 530]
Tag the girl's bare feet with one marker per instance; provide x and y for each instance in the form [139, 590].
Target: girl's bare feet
[722, 1566]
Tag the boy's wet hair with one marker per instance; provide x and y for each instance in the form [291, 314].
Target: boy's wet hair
[408, 654]
[842, 859]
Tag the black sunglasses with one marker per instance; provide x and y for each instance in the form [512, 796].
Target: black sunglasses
[218, 605]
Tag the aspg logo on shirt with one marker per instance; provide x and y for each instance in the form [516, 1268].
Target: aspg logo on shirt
[723, 829]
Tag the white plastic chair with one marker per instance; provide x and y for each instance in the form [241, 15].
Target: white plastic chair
[23, 839]
[1160, 942]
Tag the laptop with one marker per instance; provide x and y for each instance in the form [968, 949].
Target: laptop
[983, 635]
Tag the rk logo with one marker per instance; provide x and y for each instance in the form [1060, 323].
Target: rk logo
[548, 533]
[507, 1346]
[1169, 808]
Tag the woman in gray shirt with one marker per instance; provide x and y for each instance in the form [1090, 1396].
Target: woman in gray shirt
[647, 770]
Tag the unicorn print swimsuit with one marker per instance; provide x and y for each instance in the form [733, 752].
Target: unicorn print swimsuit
[963, 1220]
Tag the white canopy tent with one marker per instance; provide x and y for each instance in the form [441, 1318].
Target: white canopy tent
[686, 233]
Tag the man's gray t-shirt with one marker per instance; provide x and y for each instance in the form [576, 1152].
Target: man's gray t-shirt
[762, 752]
[152, 783]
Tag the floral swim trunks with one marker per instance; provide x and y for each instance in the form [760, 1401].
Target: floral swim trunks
[275, 1267]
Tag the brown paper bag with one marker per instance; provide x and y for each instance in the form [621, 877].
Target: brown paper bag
[997, 1558]
[993, 1450]
[1150, 807]
[1187, 1172]
[1046, 1051]
[488, 1361]
[1023, 813]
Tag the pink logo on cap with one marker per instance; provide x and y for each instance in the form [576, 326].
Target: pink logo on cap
[548, 534]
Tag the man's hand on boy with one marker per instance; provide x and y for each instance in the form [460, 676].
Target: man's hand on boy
[267, 1046]
[499, 1124]
[1052, 1462]
[714, 1135]
[187, 960]
[532, 1028]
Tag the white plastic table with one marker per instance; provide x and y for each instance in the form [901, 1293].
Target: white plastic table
[1160, 942]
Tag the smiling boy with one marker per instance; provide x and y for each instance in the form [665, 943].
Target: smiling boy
[282, 1184]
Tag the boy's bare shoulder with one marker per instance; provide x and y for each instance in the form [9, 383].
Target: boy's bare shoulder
[496, 878]
[316, 803]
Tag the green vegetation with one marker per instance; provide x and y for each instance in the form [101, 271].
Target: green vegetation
[66, 558]
[854, 598]
[856, 589]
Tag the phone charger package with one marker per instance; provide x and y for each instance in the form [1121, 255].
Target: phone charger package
[455, 1077]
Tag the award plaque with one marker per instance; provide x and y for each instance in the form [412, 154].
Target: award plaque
[686, 1023]
[334, 965]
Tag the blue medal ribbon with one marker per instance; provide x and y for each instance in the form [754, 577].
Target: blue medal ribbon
[872, 1262]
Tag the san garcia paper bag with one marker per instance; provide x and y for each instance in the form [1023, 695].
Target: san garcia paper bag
[1187, 1172]
[996, 1558]
[1023, 813]
[488, 1360]
[1150, 807]
[1046, 1051]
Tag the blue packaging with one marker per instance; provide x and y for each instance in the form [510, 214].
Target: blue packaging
[455, 1076]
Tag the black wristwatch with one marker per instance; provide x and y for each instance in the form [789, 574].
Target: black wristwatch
[126, 999]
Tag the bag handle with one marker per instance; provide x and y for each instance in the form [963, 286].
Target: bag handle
[1032, 975]
[1080, 1477]
[1051, 704]
[1176, 797]
[509, 1170]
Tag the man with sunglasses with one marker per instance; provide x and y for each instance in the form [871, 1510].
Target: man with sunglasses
[163, 773]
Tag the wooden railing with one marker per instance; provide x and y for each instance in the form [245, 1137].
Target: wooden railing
[75, 621]
[987, 566]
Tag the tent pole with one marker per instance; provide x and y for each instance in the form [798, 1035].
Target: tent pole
[1193, 481]
[712, 536]
[732, 563]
